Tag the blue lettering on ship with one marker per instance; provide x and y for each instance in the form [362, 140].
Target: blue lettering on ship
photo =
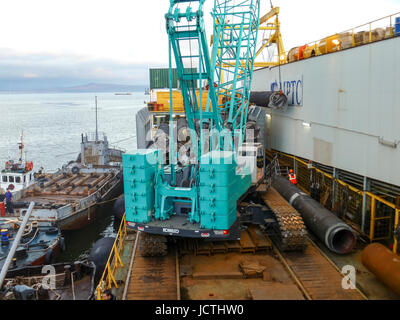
[292, 89]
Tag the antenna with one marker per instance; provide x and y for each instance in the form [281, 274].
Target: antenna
[97, 136]
[21, 146]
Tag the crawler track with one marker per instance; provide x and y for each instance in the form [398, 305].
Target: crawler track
[290, 232]
[154, 278]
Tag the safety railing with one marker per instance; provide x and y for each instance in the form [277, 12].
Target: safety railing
[374, 200]
[380, 29]
[107, 280]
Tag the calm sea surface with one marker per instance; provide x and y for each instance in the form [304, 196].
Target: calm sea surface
[52, 125]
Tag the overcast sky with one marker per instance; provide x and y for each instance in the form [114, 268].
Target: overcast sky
[116, 41]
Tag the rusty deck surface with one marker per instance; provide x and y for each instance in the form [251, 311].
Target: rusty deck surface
[153, 278]
[320, 279]
[276, 291]
[237, 275]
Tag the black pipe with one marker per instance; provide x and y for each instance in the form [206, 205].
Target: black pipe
[336, 234]
[269, 99]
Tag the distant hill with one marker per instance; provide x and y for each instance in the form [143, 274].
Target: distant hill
[89, 87]
[102, 87]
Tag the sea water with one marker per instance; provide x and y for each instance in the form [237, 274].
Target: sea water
[52, 124]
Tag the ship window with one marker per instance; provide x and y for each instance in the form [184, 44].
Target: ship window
[30, 176]
[24, 179]
[11, 179]
[17, 179]
[4, 178]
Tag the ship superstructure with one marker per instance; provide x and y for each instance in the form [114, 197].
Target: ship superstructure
[17, 175]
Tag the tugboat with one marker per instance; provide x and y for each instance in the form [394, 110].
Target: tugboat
[17, 175]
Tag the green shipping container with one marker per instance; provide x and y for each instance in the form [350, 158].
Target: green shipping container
[159, 78]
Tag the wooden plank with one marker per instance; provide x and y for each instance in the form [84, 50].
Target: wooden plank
[233, 245]
[259, 239]
[246, 244]
[66, 182]
[219, 247]
[98, 180]
[81, 181]
[52, 181]
[203, 247]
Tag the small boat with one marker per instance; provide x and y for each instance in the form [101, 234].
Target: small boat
[40, 243]
[123, 93]
[71, 281]
[17, 175]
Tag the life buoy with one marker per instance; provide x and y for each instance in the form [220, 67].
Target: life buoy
[28, 166]
[11, 186]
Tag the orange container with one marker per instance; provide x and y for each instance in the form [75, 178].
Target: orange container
[301, 51]
[293, 54]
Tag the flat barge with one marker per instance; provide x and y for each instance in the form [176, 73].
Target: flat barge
[70, 196]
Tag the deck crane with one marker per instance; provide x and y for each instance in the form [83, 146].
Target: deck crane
[200, 199]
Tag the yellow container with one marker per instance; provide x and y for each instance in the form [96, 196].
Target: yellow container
[329, 44]
[163, 98]
[311, 51]
[293, 54]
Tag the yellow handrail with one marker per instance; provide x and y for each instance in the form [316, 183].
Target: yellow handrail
[354, 44]
[114, 260]
[374, 199]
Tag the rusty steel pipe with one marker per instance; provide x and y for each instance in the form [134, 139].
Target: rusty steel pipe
[384, 264]
[337, 235]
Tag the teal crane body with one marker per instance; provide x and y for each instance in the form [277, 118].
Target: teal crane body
[216, 181]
